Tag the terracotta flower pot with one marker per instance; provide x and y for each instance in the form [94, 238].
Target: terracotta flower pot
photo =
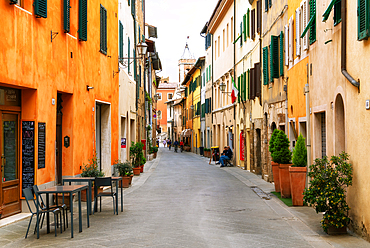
[284, 180]
[136, 171]
[155, 155]
[275, 173]
[66, 199]
[297, 184]
[84, 197]
[131, 176]
[141, 168]
[125, 183]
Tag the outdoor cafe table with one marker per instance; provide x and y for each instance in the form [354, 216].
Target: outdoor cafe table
[89, 180]
[64, 189]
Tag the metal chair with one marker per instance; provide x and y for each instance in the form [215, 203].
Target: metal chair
[228, 162]
[29, 196]
[43, 207]
[104, 181]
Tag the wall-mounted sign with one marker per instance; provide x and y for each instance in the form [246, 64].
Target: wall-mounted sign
[41, 144]
[241, 146]
[123, 142]
[66, 142]
[28, 154]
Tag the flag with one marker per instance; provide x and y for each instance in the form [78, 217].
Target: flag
[235, 91]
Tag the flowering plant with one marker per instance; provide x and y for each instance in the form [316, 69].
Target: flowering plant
[327, 191]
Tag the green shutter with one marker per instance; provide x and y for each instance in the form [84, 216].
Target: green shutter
[313, 24]
[66, 16]
[239, 88]
[266, 5]
[248, 24]
[120, 39]
[242, 87]
[281, 53]
[103, 30]
[245, 26]
[128, 55]
[363, 17]
[241, 34]
[13, 1]
[265, 66]
[245, 86]
[337, 12]
[274, 57]
[41, 8]
[82, 20]
[270, 3]
[133, 9]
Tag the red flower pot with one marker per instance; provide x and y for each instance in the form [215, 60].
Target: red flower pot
[297, 184]
[125, 183]
[136, 171]
[275, 173]
[141, 168]
[284, 180]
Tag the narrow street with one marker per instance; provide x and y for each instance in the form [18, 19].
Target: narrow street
[182, 201]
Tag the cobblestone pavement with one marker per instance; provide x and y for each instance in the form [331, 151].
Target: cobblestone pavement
[182, 201]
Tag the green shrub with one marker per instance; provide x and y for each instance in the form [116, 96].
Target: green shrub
[136, 153]
[271, 144]
[124, 169]
[300, 153]
[91, 169]
[281, 153]
[327, 191]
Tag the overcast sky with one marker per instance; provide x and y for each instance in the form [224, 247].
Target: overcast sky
[175, 21]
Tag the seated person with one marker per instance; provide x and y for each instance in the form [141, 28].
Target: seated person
[227, 154]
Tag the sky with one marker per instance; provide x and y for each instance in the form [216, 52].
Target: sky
[175, 21]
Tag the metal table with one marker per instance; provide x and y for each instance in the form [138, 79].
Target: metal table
[71, 189]
[89, 181]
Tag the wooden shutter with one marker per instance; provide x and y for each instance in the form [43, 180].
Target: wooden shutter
[286, 40]
[291, 42]
[133, 9]
[337, 13]
[66, 16]
[41, 8]
[257, 79]
[253, 23]
[120, 39]
[245, 94]
[281, 50]
[259, 17]
[297, 32]
[265, 66]
[266, 5]
[241, 34]
[245, 27]
[313, 24]
[362, 20]
[270, 3]
[82, 20]
[248, 83]
[13, 1]
[242, 86]
[274, 57]
[253, 84]
[239, 89]
[248, 24]
[103, 30]
[304, 14]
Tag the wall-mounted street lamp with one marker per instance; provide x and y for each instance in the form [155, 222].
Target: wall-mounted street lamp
[223, 87]
[141, 49]
[192, 106]
[155, 97]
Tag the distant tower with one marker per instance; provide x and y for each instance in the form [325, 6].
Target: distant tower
[185, 63]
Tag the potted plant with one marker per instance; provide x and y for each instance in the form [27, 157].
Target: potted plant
[207, 152]
[274, 164]
[154, 151]
[125, 171]
[91, 170]
[327, 191]
[298, 171]
[142, 163]
[136, 154]
[282, 155]
[1, 210]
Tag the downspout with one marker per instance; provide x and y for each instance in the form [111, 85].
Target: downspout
[308, 139]
[212, 134]
[344, 47]
[234, 127]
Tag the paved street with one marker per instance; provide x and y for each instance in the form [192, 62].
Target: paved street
[182, 201]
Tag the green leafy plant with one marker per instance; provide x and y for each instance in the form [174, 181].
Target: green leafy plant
[136, 153]
[272, 140]
[124, 169]
[327, 191]
[148, 98]
[300, 153]
[153, 149]
[91, 169]
[207, 149]
[281, 153]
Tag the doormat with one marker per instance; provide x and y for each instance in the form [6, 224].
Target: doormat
[286, 201]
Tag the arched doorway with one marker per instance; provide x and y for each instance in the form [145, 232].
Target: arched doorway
[340, 133]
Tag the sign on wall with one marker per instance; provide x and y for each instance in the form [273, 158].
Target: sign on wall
[123, 142]
[28, 154]
[41, 145]
[241, 146]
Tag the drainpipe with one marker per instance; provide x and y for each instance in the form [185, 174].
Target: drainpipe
[344, 47]
[308, 122]
[234, 127]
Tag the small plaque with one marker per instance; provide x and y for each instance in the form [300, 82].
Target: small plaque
[66, 141]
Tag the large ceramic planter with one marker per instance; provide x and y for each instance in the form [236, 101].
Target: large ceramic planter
[297, 184]
[333, 230]
[141, 168]
[131, 176]
[136, 171]
[125, 183]
[284, 180]
[275, 173]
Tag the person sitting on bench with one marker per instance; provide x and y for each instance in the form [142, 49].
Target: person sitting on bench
[227, 154]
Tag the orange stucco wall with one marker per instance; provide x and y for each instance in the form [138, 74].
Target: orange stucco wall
[162, 106]
[41, 68]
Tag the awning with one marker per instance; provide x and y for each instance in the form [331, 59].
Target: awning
[178, 101]
[186, 133]
[328, 10]
[308, 26]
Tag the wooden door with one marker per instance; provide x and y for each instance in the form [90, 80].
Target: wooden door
[9, 185]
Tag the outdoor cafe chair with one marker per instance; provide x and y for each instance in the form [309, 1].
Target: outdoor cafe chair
[104, 181]
[57, 212]
[43, 207]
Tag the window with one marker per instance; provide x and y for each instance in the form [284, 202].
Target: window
[169, 96]
[128, 55]
[363, 13]
[215, 49]
[66, 15]
[120, 39]
[103, 30]
[313, 22]
[82, 20]
[159, 96]
[227, 34]
[259, 17]
[265, 66]
[281, 49]
[232, 30]
[253, 23]
[274, 57]
[218, 47]
[223, 40]
[41, 9]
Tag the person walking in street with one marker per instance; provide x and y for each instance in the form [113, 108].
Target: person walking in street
[226, 155]
[182, 145]
[169, 144]
[164, 143]
[176, 144]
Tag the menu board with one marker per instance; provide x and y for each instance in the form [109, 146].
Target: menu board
[41, 145]
[28, 154]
